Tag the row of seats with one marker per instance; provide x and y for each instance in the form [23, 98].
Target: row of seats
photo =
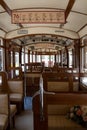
[62, 92]
[16, 93]
[58, 112]
[7, 112]
[11, 93]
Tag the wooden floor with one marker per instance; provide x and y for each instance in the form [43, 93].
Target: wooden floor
[24, 121]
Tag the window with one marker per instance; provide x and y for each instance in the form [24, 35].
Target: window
[83, 55]
[16, 59]
[24, 57]
[70, 58]
[2, 56]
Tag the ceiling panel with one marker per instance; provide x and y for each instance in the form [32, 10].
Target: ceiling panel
[75, 21]
[5, 22]
[14, 4]
[1, 9]
[80, 6]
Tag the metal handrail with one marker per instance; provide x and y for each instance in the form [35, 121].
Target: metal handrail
[41, 92]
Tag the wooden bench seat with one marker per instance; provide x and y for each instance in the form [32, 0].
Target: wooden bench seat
[16, 93]
[62, 86]
[3, 121]
[34, 67]
[55, 109]
[4, 111]
[59, 82]
[61, 93]
[6, 114]
[60, 122]
[57, 118]
[32, 82]
[13, 110]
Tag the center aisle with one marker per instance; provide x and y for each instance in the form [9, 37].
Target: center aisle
[24, 121]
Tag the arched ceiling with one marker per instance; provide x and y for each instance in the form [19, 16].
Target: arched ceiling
[75, 25]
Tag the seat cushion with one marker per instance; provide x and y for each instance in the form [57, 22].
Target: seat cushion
[59, 121]
[4, 104]
[58, 109]
[13, 109]
[16, 97]
[3, 121]
[15, 86]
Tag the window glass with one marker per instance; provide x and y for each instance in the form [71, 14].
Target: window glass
[70, 58]
[83, 55]
[2, 56]
[16, 59]
[24, 57]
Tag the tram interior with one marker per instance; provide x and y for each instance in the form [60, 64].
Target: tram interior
[43, 65]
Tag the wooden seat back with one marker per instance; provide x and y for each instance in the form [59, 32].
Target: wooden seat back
[4, 111]
[59, 82]
[3, 82]
[4, 104]
[16, 86]
[34, 67]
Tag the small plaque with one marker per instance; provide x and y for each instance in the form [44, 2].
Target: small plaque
[38, 17]
[22, 31]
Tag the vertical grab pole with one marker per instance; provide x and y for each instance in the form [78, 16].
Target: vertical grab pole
[42, 92]
[41, 99]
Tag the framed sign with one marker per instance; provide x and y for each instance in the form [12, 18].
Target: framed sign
[37, 17]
